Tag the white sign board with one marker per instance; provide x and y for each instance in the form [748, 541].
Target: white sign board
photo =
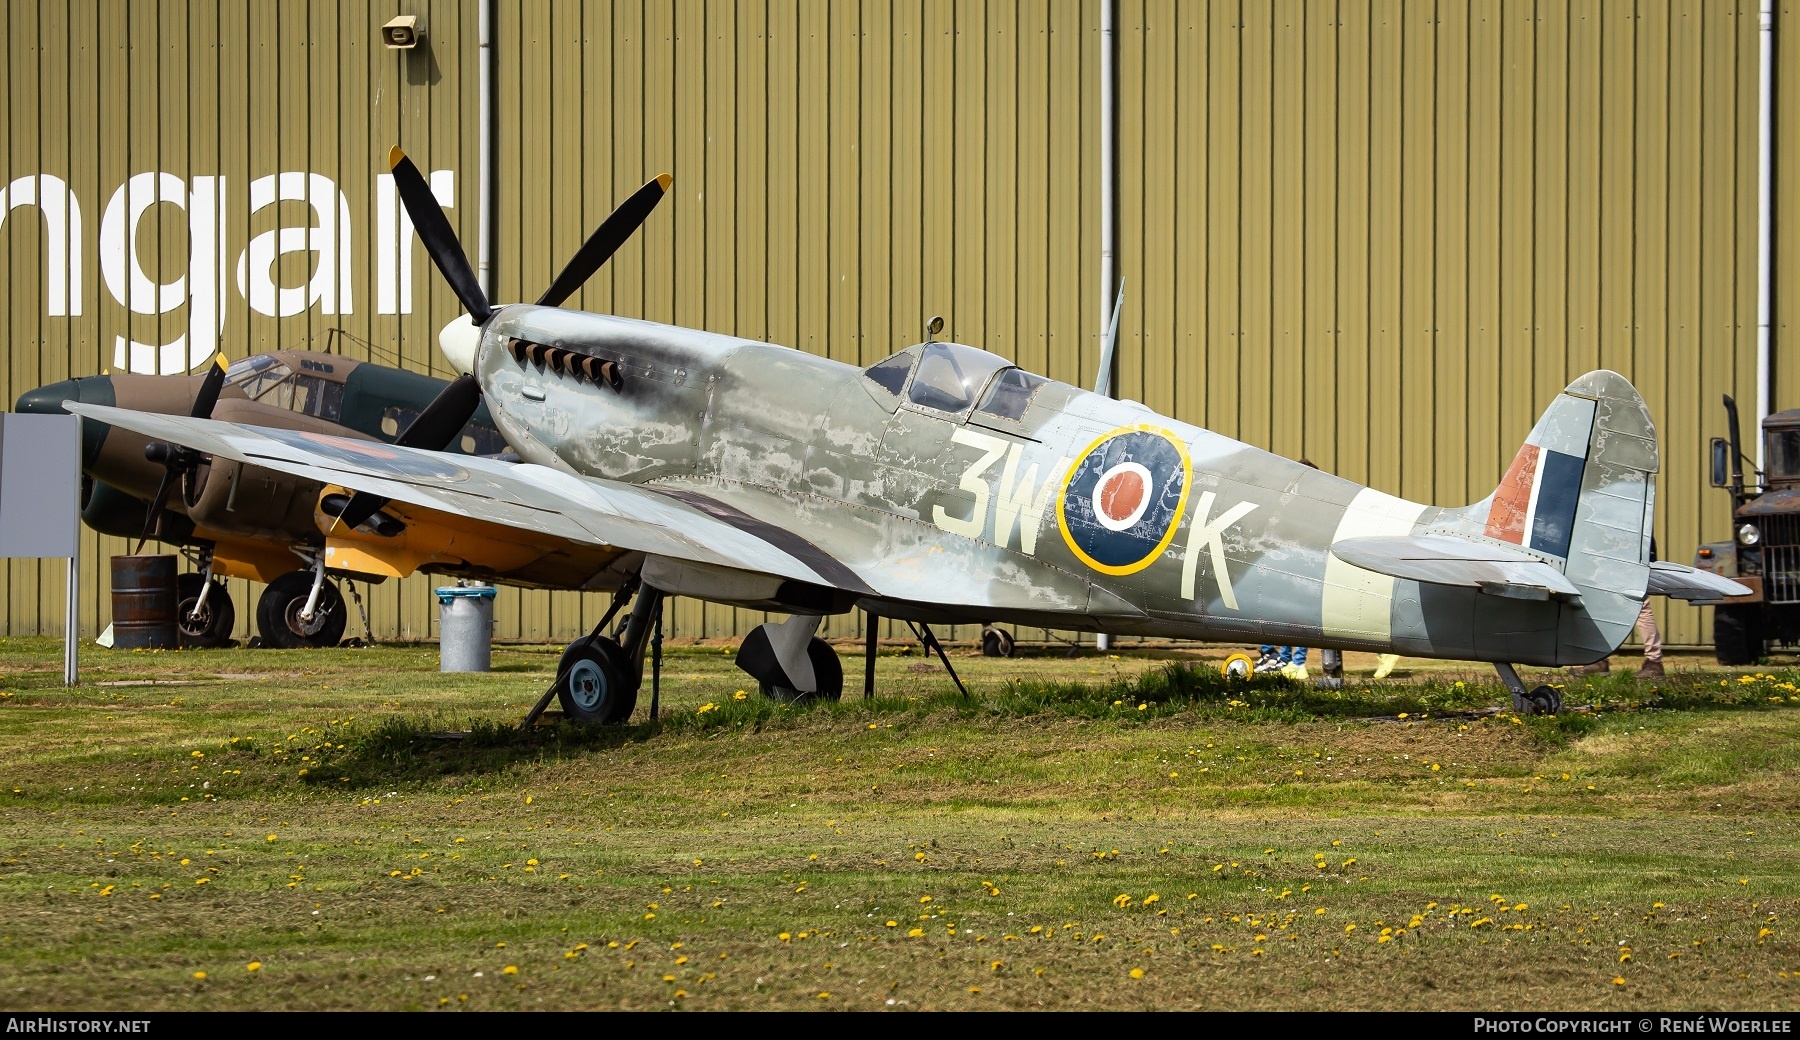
[40, 500]
[40, 484]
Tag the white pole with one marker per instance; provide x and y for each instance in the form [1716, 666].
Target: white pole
[484, 13]
[1765, 217]
[1109, 181]
[1109, 163]
[72, 597]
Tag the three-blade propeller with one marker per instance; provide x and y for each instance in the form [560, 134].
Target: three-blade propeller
[178, 462]
[440, 422]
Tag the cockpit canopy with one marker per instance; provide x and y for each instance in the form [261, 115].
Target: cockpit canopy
[389, 401]
[952, 377]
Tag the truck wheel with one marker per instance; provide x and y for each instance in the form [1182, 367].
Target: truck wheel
[1737, 635]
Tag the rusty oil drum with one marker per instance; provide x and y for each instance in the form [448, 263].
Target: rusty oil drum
[144, 602]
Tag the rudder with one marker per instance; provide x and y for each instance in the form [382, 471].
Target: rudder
[1581, 493]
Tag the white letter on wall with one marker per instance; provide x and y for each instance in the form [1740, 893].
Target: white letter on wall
[394, 238]
[62, 237]
[329, 237]
[199, 286]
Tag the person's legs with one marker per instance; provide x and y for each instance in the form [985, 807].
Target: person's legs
[1653, 648]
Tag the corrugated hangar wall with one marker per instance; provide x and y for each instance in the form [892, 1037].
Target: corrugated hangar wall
[1378, 235]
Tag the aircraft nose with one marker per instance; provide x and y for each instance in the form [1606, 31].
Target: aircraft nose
[50, 398]
[460, 341]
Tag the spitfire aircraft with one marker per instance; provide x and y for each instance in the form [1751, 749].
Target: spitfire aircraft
[945, 484]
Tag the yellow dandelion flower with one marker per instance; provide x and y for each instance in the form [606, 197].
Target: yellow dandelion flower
[200, 975]
[510, 969]
[1137, 973]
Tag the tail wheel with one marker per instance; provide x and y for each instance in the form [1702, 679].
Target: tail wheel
[212, 627]
[1237, 666]
[1544, 700]
[1737, 635]
[597, 685]
[278, 613]
[827, 670]
[996, 642]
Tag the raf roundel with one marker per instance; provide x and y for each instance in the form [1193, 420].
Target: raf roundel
[1123, 499]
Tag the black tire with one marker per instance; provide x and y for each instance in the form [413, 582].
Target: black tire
[213, 627]
[597, 685]
[997, 642]
[827, 669]
[1737, 635]
[1544, 700]
[278, 613]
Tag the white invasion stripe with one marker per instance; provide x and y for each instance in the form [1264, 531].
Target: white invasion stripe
[1537, 484]
[1358, 604]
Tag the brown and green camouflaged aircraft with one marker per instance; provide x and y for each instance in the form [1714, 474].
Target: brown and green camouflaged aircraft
[945, 484]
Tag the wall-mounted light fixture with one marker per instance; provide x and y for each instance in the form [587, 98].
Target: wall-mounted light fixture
[402, 33]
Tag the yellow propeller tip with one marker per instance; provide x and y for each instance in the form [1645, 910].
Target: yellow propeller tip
[395, 157]
[665, 180]
[219, 359]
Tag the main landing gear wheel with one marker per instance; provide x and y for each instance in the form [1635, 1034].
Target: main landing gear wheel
[216, 620]
[996, 642]
[1237, 666]
[827, 670]
[1736, 636]
[1544, 700]
[278, 613]
[597, 682]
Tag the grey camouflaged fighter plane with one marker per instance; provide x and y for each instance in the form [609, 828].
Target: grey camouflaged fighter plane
[945, 484]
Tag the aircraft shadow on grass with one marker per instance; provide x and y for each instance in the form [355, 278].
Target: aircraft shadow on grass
[422, 748]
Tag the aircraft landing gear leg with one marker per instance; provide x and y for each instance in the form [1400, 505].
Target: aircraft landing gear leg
[656, 663]
[310, 611]
[1544, 700]
[930, 639]
[871, 629]
[363, 611]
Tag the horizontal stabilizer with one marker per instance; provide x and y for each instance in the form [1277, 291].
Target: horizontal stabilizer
[1684, 582]
[1445, 560]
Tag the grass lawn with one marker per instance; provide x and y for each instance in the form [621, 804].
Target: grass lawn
[349, 829]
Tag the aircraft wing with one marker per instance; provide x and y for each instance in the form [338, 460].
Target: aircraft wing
[1683, 582]
[530, 497]
[1444, 560]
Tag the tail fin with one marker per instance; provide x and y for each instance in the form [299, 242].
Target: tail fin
[1581, 492]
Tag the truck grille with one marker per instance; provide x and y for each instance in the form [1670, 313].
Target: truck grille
[1781, 558]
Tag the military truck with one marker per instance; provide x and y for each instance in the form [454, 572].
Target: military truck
[1764, 549]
